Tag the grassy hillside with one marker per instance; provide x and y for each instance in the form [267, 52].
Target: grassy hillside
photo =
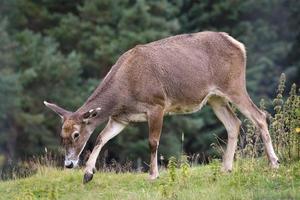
[249, 180]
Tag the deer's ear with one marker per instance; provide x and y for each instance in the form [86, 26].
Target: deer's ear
[60, 111]
[90, 114]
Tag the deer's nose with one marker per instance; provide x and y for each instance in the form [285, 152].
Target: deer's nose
[69, 164]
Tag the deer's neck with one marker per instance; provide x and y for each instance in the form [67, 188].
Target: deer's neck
[104, 97]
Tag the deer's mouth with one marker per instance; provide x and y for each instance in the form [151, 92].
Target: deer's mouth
[71, 163]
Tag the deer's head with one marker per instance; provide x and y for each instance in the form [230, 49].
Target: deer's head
[75, 132]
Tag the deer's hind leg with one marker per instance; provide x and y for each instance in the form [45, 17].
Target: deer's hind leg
[232, 124]
[250, 110]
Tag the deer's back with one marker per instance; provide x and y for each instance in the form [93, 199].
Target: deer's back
[181, 69]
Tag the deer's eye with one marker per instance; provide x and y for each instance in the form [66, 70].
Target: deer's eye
[75, 135]
[94, 115]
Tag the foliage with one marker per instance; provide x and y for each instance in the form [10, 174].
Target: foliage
[176, 177]
[283, 127]
[285, 123]
[58, 50]
[9, 92]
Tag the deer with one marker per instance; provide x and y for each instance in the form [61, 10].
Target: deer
[174, 75]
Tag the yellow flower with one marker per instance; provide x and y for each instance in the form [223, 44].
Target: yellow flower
[297, 130]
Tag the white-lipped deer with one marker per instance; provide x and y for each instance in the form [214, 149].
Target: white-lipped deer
[175, 75]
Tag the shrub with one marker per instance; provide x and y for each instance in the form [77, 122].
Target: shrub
[284, 126]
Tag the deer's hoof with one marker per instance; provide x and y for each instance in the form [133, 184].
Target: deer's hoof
[87, 177]
[153, 177]
[275, 165]
[225, 170]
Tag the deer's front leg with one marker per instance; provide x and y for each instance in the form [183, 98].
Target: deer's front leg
[112, 129]
[155, 121]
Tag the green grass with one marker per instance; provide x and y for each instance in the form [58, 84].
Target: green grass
[249, 180]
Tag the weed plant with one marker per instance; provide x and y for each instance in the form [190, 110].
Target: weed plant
[284, 126]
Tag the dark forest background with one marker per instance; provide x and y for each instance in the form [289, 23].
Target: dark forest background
[59, 50]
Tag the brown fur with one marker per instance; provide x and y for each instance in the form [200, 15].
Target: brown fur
[68, 128]
[175, 72]
[174, 75]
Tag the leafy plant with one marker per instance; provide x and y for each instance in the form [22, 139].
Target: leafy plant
[176, 178]
[284, 126]
[285, 122]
